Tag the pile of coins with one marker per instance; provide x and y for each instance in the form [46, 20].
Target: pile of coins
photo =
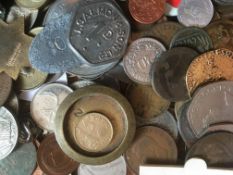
[100, 87]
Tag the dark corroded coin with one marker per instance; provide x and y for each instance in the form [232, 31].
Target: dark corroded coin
[221, 34]
[192, 37]
[215, 149]
[20, 162]
[211, 104]
[52, 160]
[99, 32]
[151, 145]
[169, 72]
[5, 87]
[223, 2]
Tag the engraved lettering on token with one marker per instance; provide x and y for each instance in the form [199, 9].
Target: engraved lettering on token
[12, 60]
[93, 132]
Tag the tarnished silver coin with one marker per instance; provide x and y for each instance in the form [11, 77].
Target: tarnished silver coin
[116, 167]
[102, 36]
[139, 58]
[8, 132]
[195, 12]
[46, 102]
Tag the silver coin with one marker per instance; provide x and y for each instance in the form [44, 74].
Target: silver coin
[99, 32]
[81, 83]
[139, 58]
[46, 102]
[8, 132]
[116, 167]
[195, 12]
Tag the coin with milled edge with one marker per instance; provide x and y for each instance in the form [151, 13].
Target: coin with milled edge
[46, 102]
[116, 167]
[139, 58]
[52, 160]
[151, 145]
[169, 72]
[145, 102]
[33, 4]
[106, 33]
[221, 34]
[210, 105]
[195, 12]
[192, 37]
[22, 161]
[5, 87]
[146, 12]
[211, 66]
[215, 149]
[8, 133]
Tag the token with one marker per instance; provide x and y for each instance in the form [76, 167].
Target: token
[46, 102]
[8, 133]
[139, 58]
[52, 160]
[211, 66]
[5, 87]
[146, 12]
[150, 145]
[169, 73]
[32, 4]
[195, 12]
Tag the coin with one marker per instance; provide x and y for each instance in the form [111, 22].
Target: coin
[38, 171]
[116, 167]
[46, 102]
[104, 40]
[145, 102]
[151, 145]
[211, 66]
[81, 83]
[35, 31]
[146, 12]
[21, 161]
[32, 4]
[98, 99]
[93, 131]
[223, 2]
[52, 160]
[139, 58]
[30, 78]
[221, 34]
[195, 12]
[215, 149]
[192, 37]
[210, 105]
[12, 104]
[169, 72]
[5, 87]
[227, 127]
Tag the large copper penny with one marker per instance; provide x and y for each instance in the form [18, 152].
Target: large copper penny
[211, 105]
[93, 131]
[210, 66]
[221, 34]
[52, 160]
[145, 102]
[147, 12]
[215, 149]
[151, 145]
[168, 73]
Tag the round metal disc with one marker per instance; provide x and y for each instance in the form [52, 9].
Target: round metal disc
[32, 4]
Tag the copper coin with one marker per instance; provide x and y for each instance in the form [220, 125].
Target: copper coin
[145, 102]
[221, 34]
[210, 66]
[215, 149]
[211, 105]
[52, 160]
[168, 73]
[5, 87]
[147, 12]
[151, 145]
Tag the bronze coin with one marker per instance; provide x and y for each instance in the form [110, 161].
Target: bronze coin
[151, 145]
[5, 87]
[211, 105]
[52, 160]
[215, 149]
[169, 71]
[147, 12]
[221, 34]
[211, 66]
[145, 102]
